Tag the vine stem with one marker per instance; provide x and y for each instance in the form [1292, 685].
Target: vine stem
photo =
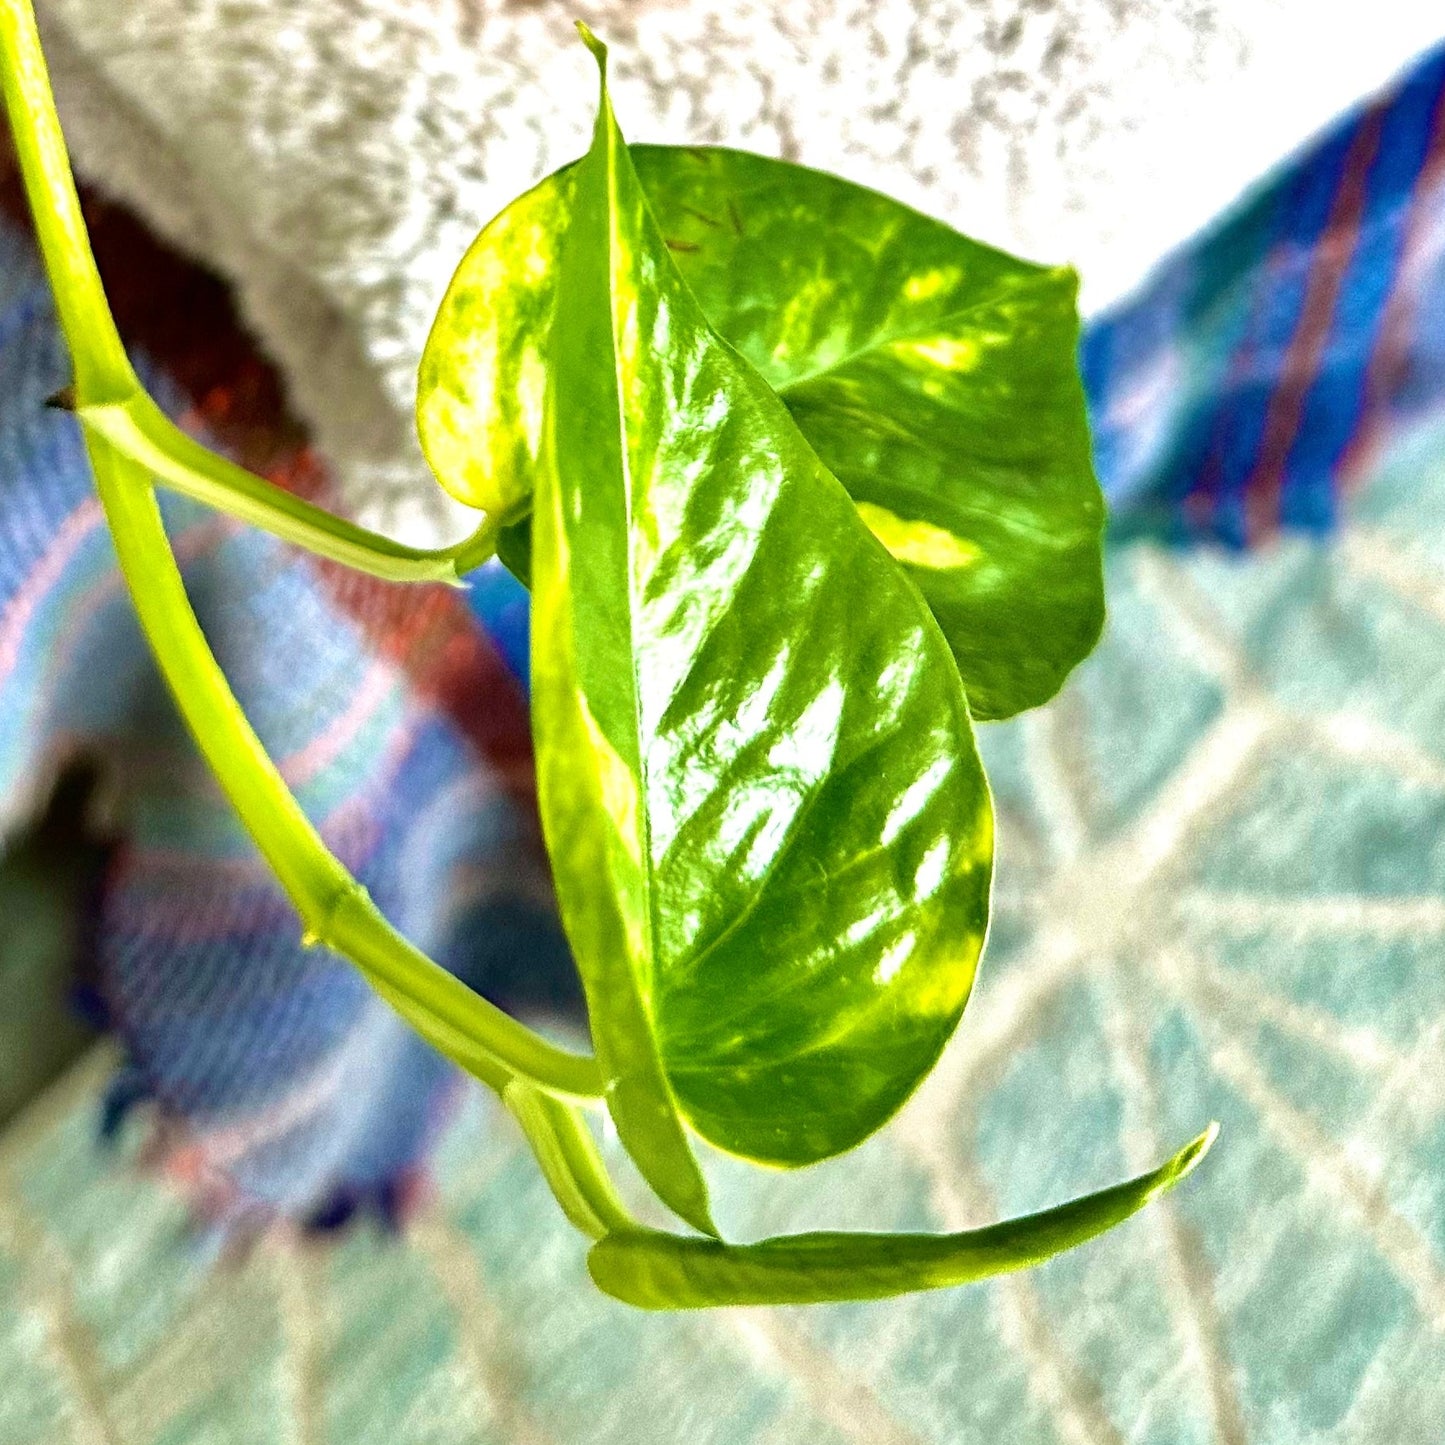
[335, 910]
[141, 431]
[109, 398]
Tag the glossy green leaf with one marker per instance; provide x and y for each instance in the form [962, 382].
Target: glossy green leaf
[771, 835]
[665, 1272]
[935, 376]
[938, 380]
[482, 382]
[589, 666]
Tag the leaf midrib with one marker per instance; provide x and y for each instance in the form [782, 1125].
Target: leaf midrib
[625, 468]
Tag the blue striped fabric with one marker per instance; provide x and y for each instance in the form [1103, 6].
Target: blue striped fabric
[1260, 366]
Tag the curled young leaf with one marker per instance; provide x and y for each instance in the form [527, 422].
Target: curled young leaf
[935, 376]
[771, 835]
[664, 1272]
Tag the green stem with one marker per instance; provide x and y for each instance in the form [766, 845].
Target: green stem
[103, 372]
[109, 397]
[335, 909]
[138, 429]
[570, 1161]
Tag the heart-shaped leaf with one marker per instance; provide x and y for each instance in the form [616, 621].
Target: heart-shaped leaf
[935, 376]
[770, 831]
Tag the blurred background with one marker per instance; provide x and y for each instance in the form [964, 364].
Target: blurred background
[238, 1202]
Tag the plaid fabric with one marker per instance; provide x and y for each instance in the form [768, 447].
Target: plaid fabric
[1262, 364]
[1240, 391]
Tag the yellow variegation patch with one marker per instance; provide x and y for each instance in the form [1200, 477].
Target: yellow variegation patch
[918, 542]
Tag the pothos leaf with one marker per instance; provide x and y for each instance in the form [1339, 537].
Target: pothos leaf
[607, 441]
[938, 380]
[482, 380]
[771, 835]
[935, 376]
[664, 1272]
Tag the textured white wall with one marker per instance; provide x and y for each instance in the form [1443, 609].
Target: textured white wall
[334, 157]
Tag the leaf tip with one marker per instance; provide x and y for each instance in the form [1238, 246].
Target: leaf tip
[1190, 1155]
[598, 49]
[610, 1276]
[699, 1215]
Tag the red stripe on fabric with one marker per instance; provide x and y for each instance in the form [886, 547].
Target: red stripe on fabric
[430, 634]
[1333, 253]
[184, 317]
[1387, 359]
[1202, 497]
[427, 631]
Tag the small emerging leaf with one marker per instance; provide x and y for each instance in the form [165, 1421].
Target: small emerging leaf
[935, 377]
[664, 1272]
[770, 831]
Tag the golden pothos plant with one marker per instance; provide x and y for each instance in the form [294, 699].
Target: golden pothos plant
[800, 482]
